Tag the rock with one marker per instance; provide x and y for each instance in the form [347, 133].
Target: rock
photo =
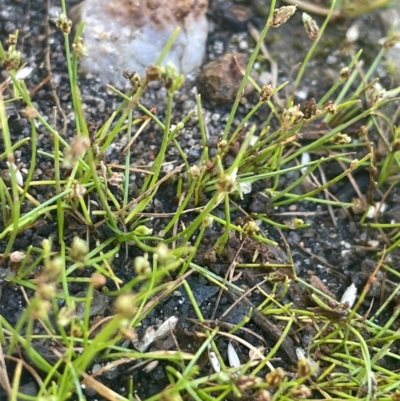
[29, 388]
[220, 79]
[98, 305]
[131, 34]
[201, 292]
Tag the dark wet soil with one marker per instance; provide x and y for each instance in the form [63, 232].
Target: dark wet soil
[335, 248]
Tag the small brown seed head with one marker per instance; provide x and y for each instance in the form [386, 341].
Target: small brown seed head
[291, 116]
[377, 93]
[133, 77]
[264, 395]
[345, 73]
[153, 73]
[78, 191]
[226, 184]
[281, 15]
[330, 107]
[304, 367]
[275, 377]
[341, 139]
[311, 26]
[301, 391]
[12, 59]
[30, 113]
[266, 93]
[363, 132]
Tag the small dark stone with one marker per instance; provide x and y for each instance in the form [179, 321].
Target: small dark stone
[220, 79]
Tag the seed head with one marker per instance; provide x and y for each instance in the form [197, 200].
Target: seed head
[354, 164]
[266, 93]
[358, 206]
[264, 395]
[377, 93]
[275, 378]
[133, 77]
[52, 270]
[125, 305]
[311, 26]
[291, 116]
[195, 171]
[245, 382]
[78, 191]
[46, 291]
[172, 79]
[98, 280]
[153, 73]
[341, 139]
[79, 250]
[304, 367]
[297, 222]
[65, 315]
[79, 47]
[251, 227]
[79, 146]
[142, 265]
[63, 23]
[17, 256]
[12, 59]
[301, 391]
[208, 221]
[281, 15]
[222, 145]
[330, 107]
[12, 39]
[163, 253]
[362, 132]
[395, 396]
[40, 308]
[30, 113]
[116, 179]
[76, 331]
[345, 73]
[391, 40]
[226, 183]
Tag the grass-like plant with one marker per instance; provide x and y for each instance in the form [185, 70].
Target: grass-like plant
[348, 348]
